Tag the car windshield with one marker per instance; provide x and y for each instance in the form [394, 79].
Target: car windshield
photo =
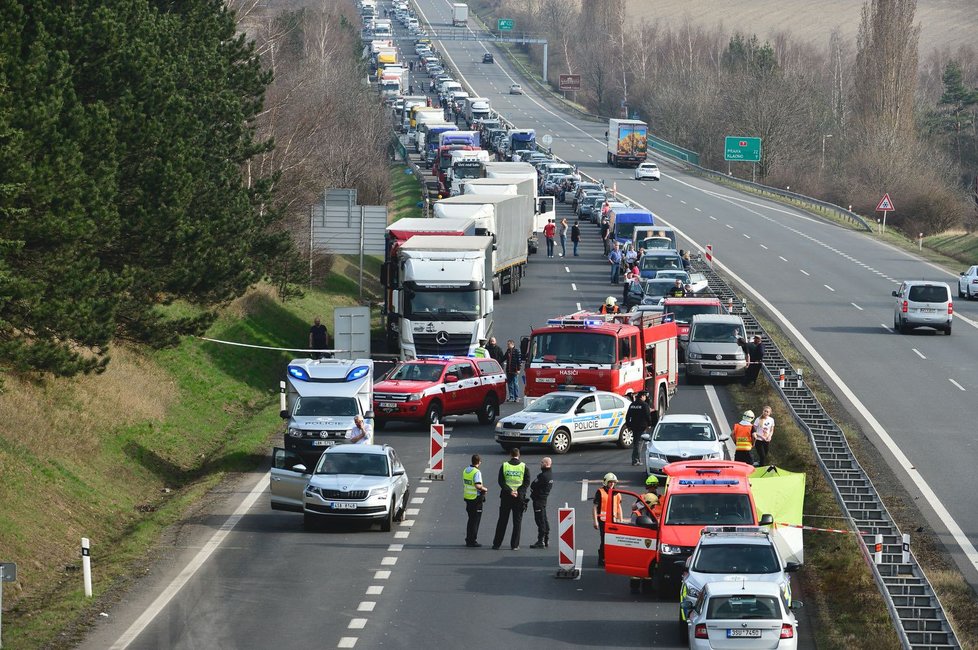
[325, 406]
[669, 273]
[658, 288]
[348, 463]
[683, 432]
[709, 509]
[740, 608]
[736, 558]
[552, 404]
[428, 304]
[685, 313]
[656, 243]
[927, 293]
[573, 347]
[717, 333]
[417, 372]
[660, 263]
[467, 170]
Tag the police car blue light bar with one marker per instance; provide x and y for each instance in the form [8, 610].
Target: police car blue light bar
[579, 388]
[357, 373]
[299, 373]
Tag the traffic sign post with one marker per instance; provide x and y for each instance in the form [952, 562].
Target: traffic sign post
[569, 82]
[436, 459]
[566, 546]
[885, 205]
[709, 255]
[504, 24]
[547, 140]
[741, 149]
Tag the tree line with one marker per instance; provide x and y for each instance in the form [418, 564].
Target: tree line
[845, 121]
[152, 155]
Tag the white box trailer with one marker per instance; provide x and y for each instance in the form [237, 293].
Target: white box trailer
[506, 218]
[460, 14]
[545, 207]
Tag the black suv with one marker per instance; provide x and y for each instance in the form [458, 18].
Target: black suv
[487, 57]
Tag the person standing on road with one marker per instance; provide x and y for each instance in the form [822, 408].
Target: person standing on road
[548, 232]
[474, 494]
[606, 234]
[495, 352]
[575, 237]
[602, 506]
[511, 366]
[755, 353]
[539, 493]
[763, 432]
[563, 237]
[614, 258]
[318, 338]
[743, 435]
[513, 482]
[638, 419]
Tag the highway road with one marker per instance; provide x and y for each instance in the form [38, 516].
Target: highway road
[827, 285]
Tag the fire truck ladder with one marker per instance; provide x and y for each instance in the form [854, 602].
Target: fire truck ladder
[917, 614]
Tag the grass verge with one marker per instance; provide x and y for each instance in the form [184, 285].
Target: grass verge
[406, 190]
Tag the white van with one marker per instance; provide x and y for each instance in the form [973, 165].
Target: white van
[713, 350]
[921, 303]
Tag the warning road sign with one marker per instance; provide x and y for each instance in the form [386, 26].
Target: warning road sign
[885, 205]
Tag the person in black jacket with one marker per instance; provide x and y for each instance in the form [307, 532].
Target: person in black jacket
[514, 479]
[511, 366]
[539, 492]
[495, 352]
[638, 419]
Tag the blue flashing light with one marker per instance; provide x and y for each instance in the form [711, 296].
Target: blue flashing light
[570, 322]
[708, 481]
[439, 357]
[578, 388]
[299, 373]
[357, 373]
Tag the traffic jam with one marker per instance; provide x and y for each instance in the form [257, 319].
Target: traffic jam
[702, 530]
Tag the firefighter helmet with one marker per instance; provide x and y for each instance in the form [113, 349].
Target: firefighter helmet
[610, 478]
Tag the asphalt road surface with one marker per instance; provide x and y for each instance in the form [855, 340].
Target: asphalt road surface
[827, 285]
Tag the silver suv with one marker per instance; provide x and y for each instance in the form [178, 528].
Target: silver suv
[713, 350]
[921, 303]
[726, 553]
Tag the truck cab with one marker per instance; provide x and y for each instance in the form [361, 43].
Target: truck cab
[700, 493]
[425, 390]
[319, 400]
[520, 139]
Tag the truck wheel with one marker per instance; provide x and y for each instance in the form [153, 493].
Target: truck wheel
[661, 408]
[508, 284]
[561, 442]
[490, 409]
[625, 438]
[609, 158]
[433, 414]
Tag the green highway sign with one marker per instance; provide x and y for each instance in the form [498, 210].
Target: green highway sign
[505, 24]
[742, 149]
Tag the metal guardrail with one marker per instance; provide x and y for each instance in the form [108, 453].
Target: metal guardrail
[915, 609]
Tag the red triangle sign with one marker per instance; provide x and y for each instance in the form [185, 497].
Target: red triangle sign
[886, 205]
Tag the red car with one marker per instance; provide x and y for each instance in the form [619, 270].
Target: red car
[426, 390]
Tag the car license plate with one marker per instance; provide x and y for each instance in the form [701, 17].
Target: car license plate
[718, 373]
[926, 310]
[747, 633]
[339, 505]
[322, 443]
[388, 405]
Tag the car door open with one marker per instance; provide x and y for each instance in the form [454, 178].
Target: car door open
[631, 547]
[287, 483]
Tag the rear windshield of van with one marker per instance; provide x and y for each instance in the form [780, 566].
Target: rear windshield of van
[928, 293]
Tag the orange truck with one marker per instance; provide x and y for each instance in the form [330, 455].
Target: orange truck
[698, 493]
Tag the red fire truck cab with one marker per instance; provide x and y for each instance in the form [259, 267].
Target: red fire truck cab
[620, 353]
[698, 493]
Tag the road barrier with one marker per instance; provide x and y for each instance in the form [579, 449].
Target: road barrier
[436, 458]
[566, 547]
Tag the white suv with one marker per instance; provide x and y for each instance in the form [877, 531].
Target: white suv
[921, 303]
[678, 438]
[647, 170]
[968, 283]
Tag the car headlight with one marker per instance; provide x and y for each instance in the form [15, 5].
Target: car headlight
[379, 492]
[499, 426]
[712, 456]
[415, 397]
[694, 355]
[739, 356]
[669, 549]
[311, 491]
[535, 428]
[654, 456]
[295, 433]
[692, 591]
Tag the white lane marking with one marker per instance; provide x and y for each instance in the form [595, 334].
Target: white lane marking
[782, 259]
[712, 217]
[412, 512]
[417, 500]
[697, 209]
[583, 489]
[403, 534]
[829, 288]
[388, 561]
[374, 590]
[567, 268]
[728, 226]
[578, 306]
[918, 353]
[573, 286]
[669, 195]
[192, 567]
[681, 201]
[347, 642]
[805, 272]
[395, 548]
[856, 306]
[422, 490]
[886, 327]
[719, 417]
[960, 387]
[357, 624]
[763, 246]
[382, 575]
[366, 606]
[745, 235]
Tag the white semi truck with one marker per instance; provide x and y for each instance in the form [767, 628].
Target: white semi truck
[460, 14]
[544, 206]
[443, 298]
[508, 220]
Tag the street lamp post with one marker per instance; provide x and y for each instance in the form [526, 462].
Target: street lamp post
[822, 166]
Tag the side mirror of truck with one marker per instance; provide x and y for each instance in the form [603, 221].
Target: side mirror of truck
[451, 379]
[766, 520]
[791, 567]
[369, 415]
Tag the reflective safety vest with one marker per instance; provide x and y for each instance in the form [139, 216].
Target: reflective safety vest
[481, 353]
[606, 310]
[602, 516]
[469, 491]
[513, 475]
[743, 439]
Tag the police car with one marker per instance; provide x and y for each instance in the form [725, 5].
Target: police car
[566, 417]
[735, 554]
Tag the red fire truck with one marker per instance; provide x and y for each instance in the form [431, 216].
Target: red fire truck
[620, 353]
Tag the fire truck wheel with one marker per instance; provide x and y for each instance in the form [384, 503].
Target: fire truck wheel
[433, 414]
[490, 409]
[625, 438]
[561, 442]
[661, 410]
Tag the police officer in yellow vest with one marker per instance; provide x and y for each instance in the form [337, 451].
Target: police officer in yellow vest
[513, 483]
[474, 494]
[743, 435]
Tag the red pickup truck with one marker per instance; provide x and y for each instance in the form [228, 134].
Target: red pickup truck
[427, 389]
